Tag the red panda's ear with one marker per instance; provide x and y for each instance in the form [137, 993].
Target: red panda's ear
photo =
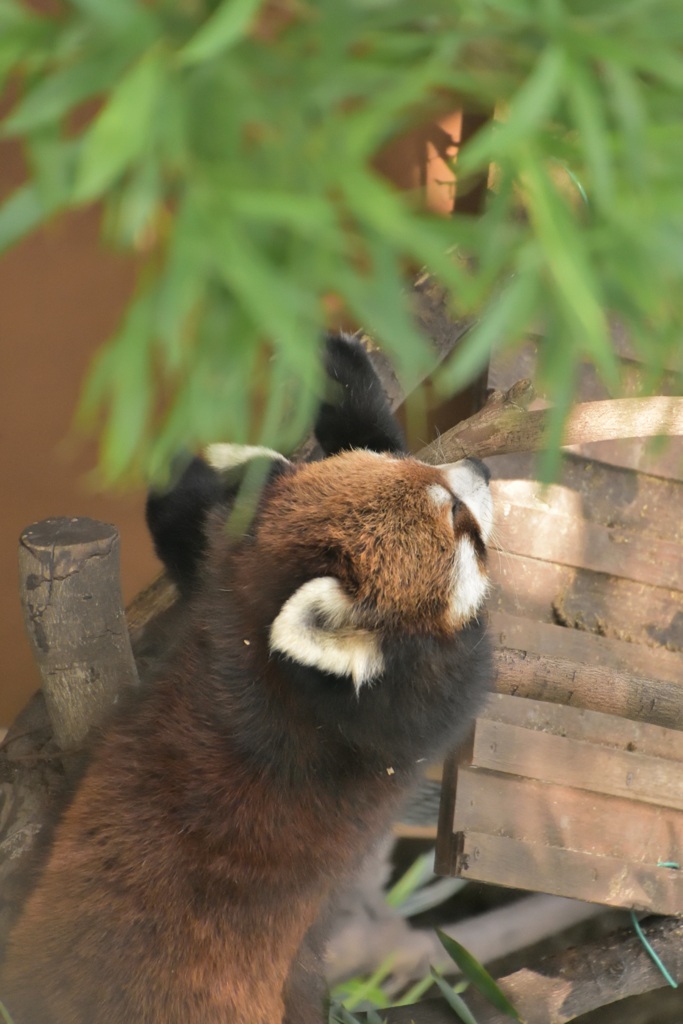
[177, 516]
[318, 627]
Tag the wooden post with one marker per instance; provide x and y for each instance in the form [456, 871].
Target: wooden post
[73, 611]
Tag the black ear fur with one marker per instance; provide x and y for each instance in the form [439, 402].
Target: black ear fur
[176, 519]
[358, 414]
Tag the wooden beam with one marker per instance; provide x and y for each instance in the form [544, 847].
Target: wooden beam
[565, 760]
[572, 540]
[607, 880]
[588, 601]
[502, 429]
[561, 681]
[542, 814]
[542, 638]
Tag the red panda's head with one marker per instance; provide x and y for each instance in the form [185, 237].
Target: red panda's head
[369, 545]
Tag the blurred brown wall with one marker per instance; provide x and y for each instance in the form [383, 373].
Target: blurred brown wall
[60, 298]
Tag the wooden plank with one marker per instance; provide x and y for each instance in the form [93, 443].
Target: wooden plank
[543, 638]
[560, 681]
[604, 494]
[607, 880]
[583, 545]
[562, 761]
[543, 814]
[594, 602]
[588, 726]
[525, 528]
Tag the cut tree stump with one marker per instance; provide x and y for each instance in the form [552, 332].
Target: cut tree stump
[71, 595]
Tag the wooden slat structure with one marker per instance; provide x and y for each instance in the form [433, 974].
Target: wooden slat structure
[573, 781]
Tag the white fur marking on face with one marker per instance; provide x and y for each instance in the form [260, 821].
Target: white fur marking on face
[470, 585]
[471, 488]
[439, 495]
[316, 627]
[227, 456]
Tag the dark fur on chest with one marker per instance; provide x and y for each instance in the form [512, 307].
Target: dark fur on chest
[219, 815]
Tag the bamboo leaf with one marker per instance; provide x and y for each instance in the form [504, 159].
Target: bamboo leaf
[418, 874]
[56, 94]
[120, 378]
[119, 16]
[529, 109]
[416, 991]
[455, 1002]
[4, 1013]
[122, 130]
[226, 26]
[504, 321]
[479, 977]
[569, 268]
[19, 214]
[587, 107]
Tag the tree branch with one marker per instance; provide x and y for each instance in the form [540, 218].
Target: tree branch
[504, 426]
[571, 983]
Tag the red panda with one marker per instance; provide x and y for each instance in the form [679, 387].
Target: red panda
[325, 653]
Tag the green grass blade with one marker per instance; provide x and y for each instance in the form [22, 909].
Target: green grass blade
[225, 27]
[5, 1014]
[479, 977]
[418, 874]
[453, 999]
[19, 214]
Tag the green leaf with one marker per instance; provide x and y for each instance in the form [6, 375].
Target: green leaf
[453, 999]
[122, 130]
[628, 106]
[368, 989]
[479, 977]
[19, 215]
[570, 267]
[418, 874]
[120, 379]
[226, 26]
[311, 216]
[504, 321]
[342, 1014]
[529, 110]
[281, 310]
[416, 991]
[4, 1013]
[53, 161]
[588, 112]
[119, 16]
[56, 94]
[431, 896]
